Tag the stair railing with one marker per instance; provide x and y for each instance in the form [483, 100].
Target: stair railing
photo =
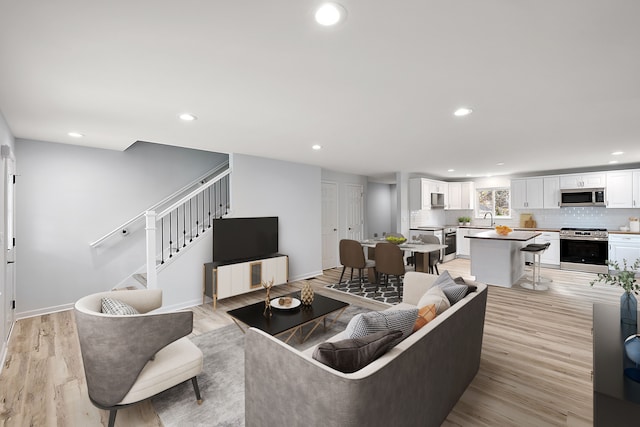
[123, 228]
[184, 221]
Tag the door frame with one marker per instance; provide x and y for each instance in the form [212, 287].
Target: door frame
[337, 222]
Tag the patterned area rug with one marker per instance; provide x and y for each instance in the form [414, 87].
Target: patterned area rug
[222, 379]
[391, 293]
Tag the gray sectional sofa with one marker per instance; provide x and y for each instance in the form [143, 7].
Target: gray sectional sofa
[416, 383]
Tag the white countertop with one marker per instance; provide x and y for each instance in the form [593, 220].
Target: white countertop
[521, 236]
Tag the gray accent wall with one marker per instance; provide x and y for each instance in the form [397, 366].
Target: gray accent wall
[380, 203]
[68, 196]
[290, 191]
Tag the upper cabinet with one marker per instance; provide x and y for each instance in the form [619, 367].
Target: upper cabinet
[636, 189]
[551, 192]
[527, 193]
[619, 189]
[583, 180]
[421, 191]
[461, 195]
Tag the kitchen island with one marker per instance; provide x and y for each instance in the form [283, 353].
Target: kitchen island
[496, 259]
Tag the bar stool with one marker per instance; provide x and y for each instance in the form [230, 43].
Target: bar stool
[541, 278]
[536, 250]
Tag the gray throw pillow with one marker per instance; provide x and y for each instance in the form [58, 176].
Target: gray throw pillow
[451, 289]
[353, 354]
[364, 324]
[470, 288]
[117, 307]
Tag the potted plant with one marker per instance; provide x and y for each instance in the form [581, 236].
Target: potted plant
[626, 279]
[467, 220]
[461, 220]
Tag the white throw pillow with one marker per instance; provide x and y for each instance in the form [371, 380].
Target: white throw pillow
[436, 296]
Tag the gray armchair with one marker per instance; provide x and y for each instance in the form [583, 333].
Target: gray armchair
[129, 358]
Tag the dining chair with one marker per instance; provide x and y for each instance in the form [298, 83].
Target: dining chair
[352, 256]
[434, 256]
[389, 262]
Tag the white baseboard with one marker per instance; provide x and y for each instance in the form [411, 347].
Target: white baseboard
[45, 310]
[305, 276]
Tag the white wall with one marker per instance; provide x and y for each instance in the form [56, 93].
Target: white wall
[290, 191]
[68, 196]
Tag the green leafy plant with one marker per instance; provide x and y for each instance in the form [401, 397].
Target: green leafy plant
[461, 218]
[624, 277]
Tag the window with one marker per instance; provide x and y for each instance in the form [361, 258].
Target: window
[494, 200]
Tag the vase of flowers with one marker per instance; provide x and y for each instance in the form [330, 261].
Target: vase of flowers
[624, 277]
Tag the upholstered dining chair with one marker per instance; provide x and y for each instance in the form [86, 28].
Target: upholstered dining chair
[434, 257]
[389, 262]
[352, 256]
[128, 358]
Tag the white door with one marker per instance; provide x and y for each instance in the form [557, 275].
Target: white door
[329, 225]
[9, 245]
[355, 212]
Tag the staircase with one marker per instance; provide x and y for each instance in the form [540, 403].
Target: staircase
[175, 223]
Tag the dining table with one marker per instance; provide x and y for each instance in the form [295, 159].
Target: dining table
[420, 251]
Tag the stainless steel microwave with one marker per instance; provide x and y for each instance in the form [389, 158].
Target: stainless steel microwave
[582, 197]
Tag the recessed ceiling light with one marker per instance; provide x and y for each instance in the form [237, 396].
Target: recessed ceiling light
[613, 162]
[463, 111]
[187, 117]
[500, 164]
[451, 170]
[316, 147]
[617, 153]
[75, 134]
[330, 14]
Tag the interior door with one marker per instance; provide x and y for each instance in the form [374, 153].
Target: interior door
[329, 225]
[355, 211]
[9, 244]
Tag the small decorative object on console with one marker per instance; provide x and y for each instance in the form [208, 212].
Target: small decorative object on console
[267, 299]
[306, 294]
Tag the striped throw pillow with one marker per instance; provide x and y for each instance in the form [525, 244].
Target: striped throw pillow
[364, 324]
[117, 307]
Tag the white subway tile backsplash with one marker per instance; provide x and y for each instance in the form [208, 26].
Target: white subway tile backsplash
[585, 217]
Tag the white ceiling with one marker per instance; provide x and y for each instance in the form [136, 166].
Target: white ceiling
[554, 84]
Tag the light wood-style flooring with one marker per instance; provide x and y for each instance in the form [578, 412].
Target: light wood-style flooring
[535, 369]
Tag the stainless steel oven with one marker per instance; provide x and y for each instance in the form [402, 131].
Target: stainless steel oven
[584, 249]
[449, 239]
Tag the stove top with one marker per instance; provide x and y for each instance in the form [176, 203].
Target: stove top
[584, 233]
[582, 229]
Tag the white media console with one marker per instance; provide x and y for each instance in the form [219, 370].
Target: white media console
[230, 279]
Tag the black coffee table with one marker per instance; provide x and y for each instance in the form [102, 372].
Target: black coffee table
[291, 321]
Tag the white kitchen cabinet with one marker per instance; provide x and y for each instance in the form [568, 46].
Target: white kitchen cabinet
[455, 196]
[619, 189]
[467, 195]
[551, 192]
[420, 190]
[527, 193]
[461, 195]
[552, 255]
[463, 246]
[636, 189]
[585, 180]
[624, 247]
[417, 199]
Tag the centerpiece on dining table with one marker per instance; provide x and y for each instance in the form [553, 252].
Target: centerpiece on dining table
[398, 240]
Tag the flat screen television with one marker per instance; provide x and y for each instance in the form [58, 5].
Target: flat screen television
[244, 239]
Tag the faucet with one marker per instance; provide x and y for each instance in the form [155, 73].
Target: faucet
[491, 215]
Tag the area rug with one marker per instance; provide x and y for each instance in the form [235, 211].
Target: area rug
[222, 380]
[391, 293]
